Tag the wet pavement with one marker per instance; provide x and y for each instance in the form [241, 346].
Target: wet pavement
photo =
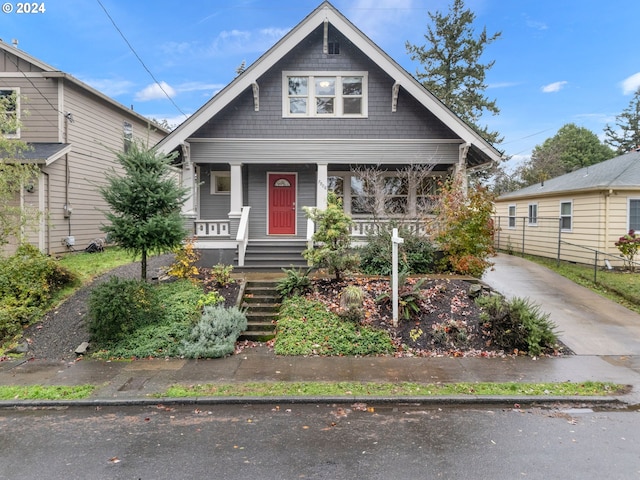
[604, 336]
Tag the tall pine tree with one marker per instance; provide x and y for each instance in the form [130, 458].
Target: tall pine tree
[626, 136]
[145, 204]
[452, 68]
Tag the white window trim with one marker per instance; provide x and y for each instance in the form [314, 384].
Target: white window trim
[532, 221]
[563, 216]
[338, 107]
[213, 188]
[514, 216]
[18, 111]
[629, 200]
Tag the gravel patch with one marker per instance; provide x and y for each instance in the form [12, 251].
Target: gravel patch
[57, 335]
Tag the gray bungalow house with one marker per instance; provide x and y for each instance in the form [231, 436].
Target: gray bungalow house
[299, 122]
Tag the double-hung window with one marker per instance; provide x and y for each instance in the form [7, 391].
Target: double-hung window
[512, 216]
[533, 214]
[324, 94]
[10, 105]
[566, 216]
[634, 214]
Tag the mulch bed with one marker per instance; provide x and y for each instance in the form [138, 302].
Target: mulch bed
[448, 324]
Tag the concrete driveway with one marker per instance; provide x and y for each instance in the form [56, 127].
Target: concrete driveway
[588, 323]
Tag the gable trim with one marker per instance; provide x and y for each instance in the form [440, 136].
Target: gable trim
[326, 13]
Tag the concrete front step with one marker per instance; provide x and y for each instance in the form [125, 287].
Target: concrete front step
[262, 303]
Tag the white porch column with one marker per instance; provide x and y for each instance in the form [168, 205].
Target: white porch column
[189, 182]
[322, 186]
[236, 190]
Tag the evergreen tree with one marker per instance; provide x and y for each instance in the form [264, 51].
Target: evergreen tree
[145, 203]
[333, 237]
[452, 68]
[627, 136]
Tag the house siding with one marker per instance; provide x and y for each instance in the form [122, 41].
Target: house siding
[239, 120]
[257, 196]
[212, 206]
[38, 108]
[95, 134]
[598, 220]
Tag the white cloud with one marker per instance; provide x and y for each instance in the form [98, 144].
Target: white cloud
[237, 42]
[110, 87]
[155, 91]
[554, 87]
[503, 84]
[631, 84]
[199, 86]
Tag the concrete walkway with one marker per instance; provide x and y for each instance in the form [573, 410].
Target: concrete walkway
[589, 324]
[604, 336]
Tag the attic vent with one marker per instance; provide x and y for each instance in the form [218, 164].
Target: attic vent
[334, 48]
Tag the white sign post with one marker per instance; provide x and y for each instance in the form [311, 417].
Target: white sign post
[395, 240]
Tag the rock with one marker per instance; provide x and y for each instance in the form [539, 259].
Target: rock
[82, 348]
[20, 348]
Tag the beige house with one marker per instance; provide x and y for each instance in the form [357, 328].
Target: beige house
[574, 215]
[73, 131]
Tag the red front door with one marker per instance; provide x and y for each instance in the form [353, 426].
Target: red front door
[282, 203]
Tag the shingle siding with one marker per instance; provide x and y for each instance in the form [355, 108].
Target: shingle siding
[239, 120]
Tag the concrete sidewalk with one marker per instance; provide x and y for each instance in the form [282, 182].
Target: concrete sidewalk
[142, 380]
[604, 336]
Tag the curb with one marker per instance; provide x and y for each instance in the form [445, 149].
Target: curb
[447, 401]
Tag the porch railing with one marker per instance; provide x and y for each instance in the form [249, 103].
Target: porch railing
[212, 228]
[243, 235]
[363, 226]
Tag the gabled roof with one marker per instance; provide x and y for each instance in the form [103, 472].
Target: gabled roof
[618, 173]
[328, 12]
[50, 72]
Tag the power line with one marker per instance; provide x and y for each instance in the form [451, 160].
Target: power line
[140, 59]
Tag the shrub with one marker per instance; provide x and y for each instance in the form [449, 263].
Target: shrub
[163, 336]
[306, 327]
[333, 238]
[628, 245]
[351, 304]
[186, 256]
[221, 274]
[410, 297]
[296, 282]
[517, 324]
[118, 307]
[463, 228]
[215, 334]
[210, 299]
[415, 255]
[28, 280]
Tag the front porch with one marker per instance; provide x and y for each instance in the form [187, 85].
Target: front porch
[216, 244]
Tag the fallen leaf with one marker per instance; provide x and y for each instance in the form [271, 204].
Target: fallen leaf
[114, 460]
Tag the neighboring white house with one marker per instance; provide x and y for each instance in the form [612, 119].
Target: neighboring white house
[588, 210]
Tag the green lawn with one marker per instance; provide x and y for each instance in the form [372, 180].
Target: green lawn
[339, 389]
[40, 392]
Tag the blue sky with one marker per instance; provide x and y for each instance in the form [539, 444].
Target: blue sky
[556, 62]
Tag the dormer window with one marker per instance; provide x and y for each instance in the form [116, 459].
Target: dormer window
[325, 94]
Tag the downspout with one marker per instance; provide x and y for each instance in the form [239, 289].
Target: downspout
[607, 205]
